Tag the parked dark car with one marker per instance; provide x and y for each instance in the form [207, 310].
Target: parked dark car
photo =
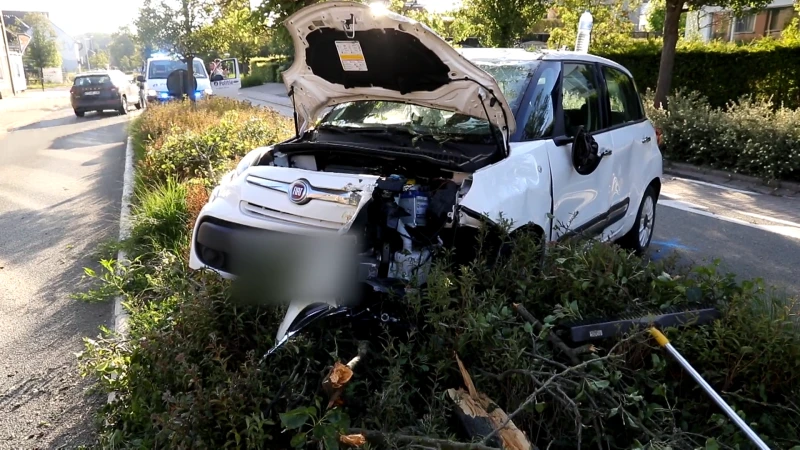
[104, 90]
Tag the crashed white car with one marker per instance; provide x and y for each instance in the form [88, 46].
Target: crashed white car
[405, 144]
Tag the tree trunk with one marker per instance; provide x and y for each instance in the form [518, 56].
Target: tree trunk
[189, 77]
[671, 26]
[41, 76]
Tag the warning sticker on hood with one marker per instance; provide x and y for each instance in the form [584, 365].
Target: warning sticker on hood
[351, 56]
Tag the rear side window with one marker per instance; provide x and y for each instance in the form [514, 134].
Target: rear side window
[92, 80]
[626, 106]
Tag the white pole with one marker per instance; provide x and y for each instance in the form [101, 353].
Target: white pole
[664, 342]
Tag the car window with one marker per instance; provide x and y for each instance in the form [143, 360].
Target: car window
[92, 80]
[580, 99]
[511, 76]
[623, 98]
[160, 69]
[541, 107]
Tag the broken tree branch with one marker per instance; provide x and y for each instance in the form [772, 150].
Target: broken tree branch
[555, 340]
[379, 437]
[340, 375]
[549, 381]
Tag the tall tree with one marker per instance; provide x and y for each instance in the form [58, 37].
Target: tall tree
[122, 49]
[672, 20]
[42, 51]
[176, 26]
[501, 23]
[98, 59]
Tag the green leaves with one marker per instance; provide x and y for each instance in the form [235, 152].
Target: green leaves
[296, 418]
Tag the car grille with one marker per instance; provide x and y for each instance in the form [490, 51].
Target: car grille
[262, 212]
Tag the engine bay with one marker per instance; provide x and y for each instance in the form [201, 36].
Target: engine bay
[409, 218]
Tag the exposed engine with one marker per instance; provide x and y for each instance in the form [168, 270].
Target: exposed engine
[409, 217]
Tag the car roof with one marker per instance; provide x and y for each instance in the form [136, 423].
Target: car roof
[522, 55]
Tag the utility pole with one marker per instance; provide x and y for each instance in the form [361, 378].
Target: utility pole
[8, 54]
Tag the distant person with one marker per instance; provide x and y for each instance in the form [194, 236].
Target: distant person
[217, 73]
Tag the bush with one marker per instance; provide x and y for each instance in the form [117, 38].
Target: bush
[183, 144]
[748, 137]
[766, 69]
[252, 79]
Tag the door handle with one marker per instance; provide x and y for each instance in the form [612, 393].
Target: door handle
[646, 139]
[605, 152]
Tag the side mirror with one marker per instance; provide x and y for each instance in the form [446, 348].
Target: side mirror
[585, 157]
[140, 78]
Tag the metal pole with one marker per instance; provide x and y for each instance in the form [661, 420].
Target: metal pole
[664, 342]
[8, 54]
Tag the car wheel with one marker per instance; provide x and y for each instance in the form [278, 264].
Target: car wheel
[140, 103]
[638, 239]
[79, 113]
[123, 109]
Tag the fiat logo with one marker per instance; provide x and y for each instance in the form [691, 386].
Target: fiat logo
[298, 192]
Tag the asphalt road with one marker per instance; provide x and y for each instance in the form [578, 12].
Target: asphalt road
[752, 235]
[60, 189]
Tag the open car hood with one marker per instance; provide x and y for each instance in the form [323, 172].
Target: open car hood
[347, 51]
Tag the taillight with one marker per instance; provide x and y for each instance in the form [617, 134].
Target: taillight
[72, 90]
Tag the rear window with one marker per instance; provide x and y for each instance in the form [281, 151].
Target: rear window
[92, 80]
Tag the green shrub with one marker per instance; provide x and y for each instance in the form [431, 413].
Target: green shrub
[766, 69]
[748, 137]
[252, 79]
[159, 214]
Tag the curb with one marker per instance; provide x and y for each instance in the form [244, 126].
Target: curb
[120, 315]
[771, 187]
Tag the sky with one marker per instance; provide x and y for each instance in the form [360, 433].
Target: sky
[82, 16]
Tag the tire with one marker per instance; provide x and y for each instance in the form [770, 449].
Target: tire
[79, 113]
[639, 237]
[140, 103]
[123, 108]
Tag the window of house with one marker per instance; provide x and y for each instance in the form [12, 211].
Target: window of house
[746, 24]
[778, 18]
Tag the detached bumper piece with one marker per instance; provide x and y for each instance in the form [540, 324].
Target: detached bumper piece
[595, 330]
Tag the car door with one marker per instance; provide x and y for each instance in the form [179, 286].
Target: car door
[632, 135]
[231, 82]
[580, 202]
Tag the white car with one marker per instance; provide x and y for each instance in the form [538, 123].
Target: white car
[406, 144]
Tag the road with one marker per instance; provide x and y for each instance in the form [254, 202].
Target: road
[60, 189]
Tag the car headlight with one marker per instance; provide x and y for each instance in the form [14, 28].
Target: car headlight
[250, 159]
[151, 92]
[207, 91]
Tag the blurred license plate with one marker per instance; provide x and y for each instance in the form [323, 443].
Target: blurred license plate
[91, 93]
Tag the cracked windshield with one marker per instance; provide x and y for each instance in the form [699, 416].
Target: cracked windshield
[524, 225]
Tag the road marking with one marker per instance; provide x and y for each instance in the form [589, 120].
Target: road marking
[772, 219]
[680, 204]
[788, 231]
[718, 186]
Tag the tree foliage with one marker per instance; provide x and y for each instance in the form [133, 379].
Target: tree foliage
[42, 51]
[99, 59]
[122, 49]
[501, 23]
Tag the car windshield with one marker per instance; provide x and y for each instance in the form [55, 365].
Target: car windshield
[160, 70]
[92, 80]
[403, 116]
[512, 77]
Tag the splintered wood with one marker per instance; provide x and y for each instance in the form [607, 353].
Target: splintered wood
[341, 374]
[353, 440]
[481, 415]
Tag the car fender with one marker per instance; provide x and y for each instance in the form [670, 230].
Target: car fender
[516, 189]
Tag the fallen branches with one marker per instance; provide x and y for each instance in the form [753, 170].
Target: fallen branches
[555, 340]
[379, 437]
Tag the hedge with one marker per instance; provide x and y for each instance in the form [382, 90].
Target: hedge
[767, 69]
